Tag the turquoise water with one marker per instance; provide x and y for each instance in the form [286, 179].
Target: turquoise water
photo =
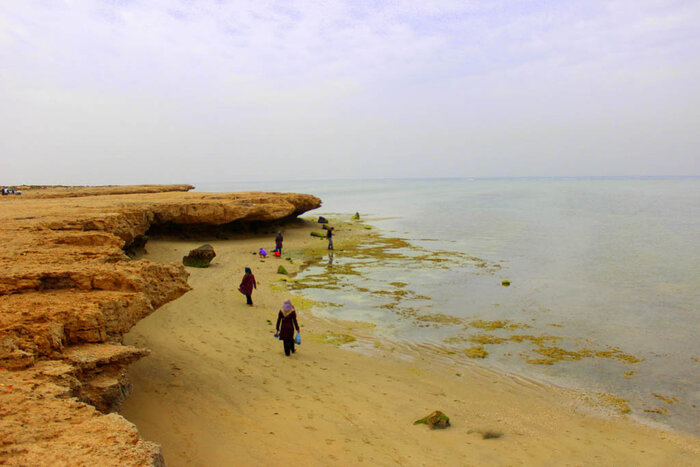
[602, 264]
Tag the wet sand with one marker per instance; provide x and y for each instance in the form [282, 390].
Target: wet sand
[218, 390]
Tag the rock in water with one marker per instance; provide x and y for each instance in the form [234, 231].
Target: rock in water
[436, 419]
[322, 220]
[356, 216]
[199, 257]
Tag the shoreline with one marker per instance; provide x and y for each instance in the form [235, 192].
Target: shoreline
[345, 392]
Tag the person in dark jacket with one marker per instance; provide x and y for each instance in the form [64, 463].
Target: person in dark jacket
[247, 285]
[329, 236]
[278, 242]
[286, 323]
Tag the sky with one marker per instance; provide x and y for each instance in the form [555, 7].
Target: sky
[185, 91]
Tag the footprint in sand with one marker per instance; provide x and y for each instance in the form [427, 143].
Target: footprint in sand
[311, 428]
[330, 441]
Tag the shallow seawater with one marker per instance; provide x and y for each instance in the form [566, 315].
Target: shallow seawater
[604, 278]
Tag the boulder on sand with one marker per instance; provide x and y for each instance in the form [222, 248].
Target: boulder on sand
[322, 220]
[436, 419]
[199, 257]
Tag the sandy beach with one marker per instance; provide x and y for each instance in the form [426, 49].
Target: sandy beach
[218, 390]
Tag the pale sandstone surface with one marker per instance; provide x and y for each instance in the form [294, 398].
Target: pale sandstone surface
[68, 293]
[218, 390]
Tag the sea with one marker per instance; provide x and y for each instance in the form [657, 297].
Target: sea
[602, 277]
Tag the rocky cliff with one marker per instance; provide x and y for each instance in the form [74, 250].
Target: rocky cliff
[68, 293]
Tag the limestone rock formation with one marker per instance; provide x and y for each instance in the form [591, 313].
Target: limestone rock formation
[68, 294]
[200, 257]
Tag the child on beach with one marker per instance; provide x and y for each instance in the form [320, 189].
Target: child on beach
[286, 323]
[247, 285]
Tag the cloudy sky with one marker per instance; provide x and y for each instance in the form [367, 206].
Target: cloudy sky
[96, 92]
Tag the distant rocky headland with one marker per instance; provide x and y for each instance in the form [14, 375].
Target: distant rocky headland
[68, 294]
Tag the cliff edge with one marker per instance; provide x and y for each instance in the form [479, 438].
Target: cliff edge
[68, 294]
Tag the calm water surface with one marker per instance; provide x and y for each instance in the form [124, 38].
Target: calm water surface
[598, 263]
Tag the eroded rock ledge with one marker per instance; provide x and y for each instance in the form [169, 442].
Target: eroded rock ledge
[68, 294]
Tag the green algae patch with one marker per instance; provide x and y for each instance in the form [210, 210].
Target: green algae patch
[668, 400]
[505, 283]
[488, 325]
[334, 338]
[610, 401]
[435, 420]
[487, 339]
[554, 354]
[499, 324]
[614, 353]
[398, 284]
[438, 318]
[318, 234]
[476, 352]
[282, 270]
[302, 303]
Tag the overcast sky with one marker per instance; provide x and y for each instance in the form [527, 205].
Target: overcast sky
[112, 92]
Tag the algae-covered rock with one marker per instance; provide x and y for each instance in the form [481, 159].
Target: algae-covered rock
[356, 216]
[281, 270]
[199, 257]
[322, 220]
[326, 227]
[505, 283]
[435, 420]
[318, 234]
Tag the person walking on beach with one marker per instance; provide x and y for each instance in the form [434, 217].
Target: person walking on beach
[329, 236]
[286, 323]
[247, 285]
[278, 242]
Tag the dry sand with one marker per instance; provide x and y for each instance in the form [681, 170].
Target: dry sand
[218, 390]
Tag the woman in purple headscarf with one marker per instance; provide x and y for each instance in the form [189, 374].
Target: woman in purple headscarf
[286, 323]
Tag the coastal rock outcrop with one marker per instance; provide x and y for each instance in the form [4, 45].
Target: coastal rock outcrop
[68, 294]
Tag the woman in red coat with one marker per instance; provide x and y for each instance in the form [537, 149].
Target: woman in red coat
[247, 286]
[286, 323]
